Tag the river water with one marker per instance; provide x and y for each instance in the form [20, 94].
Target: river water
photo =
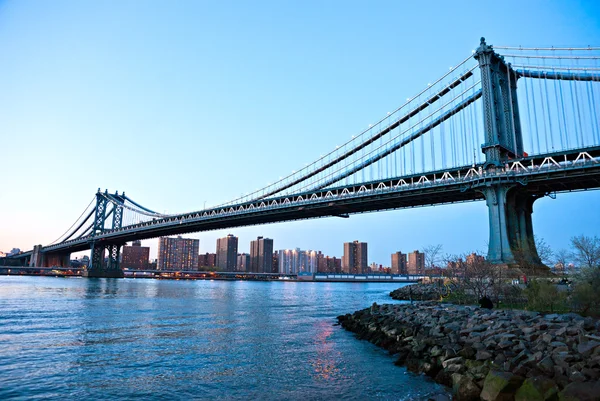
[93, 339]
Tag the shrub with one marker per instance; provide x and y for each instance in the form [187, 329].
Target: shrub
[544, 296]
[585, 297]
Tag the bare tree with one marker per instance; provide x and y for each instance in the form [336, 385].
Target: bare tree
[432, 255]
[561, 261]
[475, 276]
[586, 251]
[544, 251]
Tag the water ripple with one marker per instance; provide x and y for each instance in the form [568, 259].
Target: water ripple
[180, 340]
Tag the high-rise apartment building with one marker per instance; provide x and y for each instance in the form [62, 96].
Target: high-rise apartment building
[243, 262]
[354, 260]
[135, 256]
[207, 260]
[227, 253]
[177, 253]
[275, 264]
[416, 263]
[399, 262]
[294, 261]
[261, 255]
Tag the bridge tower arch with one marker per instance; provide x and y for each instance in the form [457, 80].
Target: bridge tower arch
[509, 204]
[97, 267]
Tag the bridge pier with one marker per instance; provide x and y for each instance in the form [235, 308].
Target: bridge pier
[36, 257]
[55, 259]
[511, 228]
[98, 268]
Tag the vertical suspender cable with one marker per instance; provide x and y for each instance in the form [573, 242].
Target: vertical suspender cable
[579, 111]
[548, 113]
[421, 140]
[537, 132]
[560, 130]
[443, 140]
[528, 103]
[564, 115]
[543, 113]
[432, 144]
[451, 126]
[463, 134]
[592, 102]
[512, 115]
[574, 110]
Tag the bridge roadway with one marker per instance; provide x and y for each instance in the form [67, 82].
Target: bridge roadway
[564, 171]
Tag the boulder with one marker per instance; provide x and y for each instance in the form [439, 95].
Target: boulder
[580, 392]
[500, 386]
[537, 389]
[464, 388]
[452, 361]
[587, 348]
[482, 355]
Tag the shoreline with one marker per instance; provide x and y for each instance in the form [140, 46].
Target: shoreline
[216, 277]
[488, 354]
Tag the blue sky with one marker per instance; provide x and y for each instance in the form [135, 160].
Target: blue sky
[179, 103]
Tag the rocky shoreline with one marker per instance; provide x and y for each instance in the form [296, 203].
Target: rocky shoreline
[417, 292]
[488, 354]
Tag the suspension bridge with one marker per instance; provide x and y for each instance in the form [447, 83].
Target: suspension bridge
[507, 125]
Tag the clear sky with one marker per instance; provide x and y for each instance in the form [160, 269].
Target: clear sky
[184, 102]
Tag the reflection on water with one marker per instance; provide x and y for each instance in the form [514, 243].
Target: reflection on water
[115, 339]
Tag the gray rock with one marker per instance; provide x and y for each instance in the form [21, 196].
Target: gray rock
[451, 361]
[587, 348]
[464, 388]
[537, 389]
[500, 386]
[482, 355]
[546, 365]
[576, 376]
[580, 392]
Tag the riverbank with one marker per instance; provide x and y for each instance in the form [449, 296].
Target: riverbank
[214, 275]
[488, 354]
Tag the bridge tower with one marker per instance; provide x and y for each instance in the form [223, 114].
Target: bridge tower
[98, 248]
[509, 203]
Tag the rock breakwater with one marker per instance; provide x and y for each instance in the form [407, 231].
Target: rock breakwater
[418, 292]
[489, 354]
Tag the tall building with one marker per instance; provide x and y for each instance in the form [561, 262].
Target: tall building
[207, 260]
[399, 262]
[243, 262]
[227, 253]
[261, 255]
[416, 263]
[292, 261]
[354, 260]
[313, 261]
[275, 264]
[135, 256]
[177, 253]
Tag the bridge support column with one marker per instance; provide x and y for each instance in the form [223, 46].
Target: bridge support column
[56, 259]
[98, 268]
[511, 228]
[36, 257]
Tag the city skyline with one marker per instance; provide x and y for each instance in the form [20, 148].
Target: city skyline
[353, 260]
[54, 77]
